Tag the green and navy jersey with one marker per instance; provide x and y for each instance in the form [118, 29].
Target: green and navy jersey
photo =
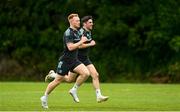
[72, 36]
[83, 53]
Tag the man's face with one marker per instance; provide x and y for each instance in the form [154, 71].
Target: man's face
[75, 22]
[89, 24]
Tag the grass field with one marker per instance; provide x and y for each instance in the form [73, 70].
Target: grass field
[25, 96]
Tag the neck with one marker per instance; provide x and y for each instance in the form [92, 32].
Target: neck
[86, 28]
[73, 27]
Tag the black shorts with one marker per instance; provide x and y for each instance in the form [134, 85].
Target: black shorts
[86, 61]
[64, 66]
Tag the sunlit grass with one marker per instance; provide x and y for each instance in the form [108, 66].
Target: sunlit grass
[24, 96]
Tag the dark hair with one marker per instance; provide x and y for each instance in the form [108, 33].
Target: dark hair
[86, 18]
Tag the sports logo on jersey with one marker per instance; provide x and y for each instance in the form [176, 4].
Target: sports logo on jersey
[60, 64]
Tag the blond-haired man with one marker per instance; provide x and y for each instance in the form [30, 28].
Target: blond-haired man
[69, 60]
[83, 56]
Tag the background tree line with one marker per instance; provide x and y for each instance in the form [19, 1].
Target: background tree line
[137, 40]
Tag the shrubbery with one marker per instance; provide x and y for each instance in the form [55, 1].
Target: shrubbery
[136, 40]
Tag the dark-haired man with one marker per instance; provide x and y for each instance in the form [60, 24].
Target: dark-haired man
[83, 56]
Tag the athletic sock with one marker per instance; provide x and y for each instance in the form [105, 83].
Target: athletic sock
[45, 94]
[98, 92]
[75, 87]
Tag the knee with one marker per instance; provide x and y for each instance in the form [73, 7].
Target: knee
[69, 80]
[86, 74]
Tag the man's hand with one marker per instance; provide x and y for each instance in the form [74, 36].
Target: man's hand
[92, 43]
[83, 39]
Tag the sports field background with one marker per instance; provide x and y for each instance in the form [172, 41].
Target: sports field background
[25, 96]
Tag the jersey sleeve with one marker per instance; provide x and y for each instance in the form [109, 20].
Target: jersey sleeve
[81, 32]
[68, 37]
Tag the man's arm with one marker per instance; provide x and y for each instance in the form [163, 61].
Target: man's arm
[92, 43]
[73, 46]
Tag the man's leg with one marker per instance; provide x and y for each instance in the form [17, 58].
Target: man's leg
[95, 80]
[51, 86]
[94, 75]
[70, 77]
[83, 76]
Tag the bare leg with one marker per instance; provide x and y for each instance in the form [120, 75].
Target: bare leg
[95, 80]
[53, 84]
[70, 77]
[94, 75]
[83, 75]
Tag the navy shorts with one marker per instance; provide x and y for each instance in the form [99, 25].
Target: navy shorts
[64, 66]
[86, 61]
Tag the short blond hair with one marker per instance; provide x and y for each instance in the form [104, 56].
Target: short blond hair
[72, 15]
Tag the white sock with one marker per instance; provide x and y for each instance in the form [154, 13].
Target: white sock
[45, 94]
[98, 92]
[75, 87]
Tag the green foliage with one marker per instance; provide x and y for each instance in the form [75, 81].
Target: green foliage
[174, 71]
[175, 44]
[135, 39]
